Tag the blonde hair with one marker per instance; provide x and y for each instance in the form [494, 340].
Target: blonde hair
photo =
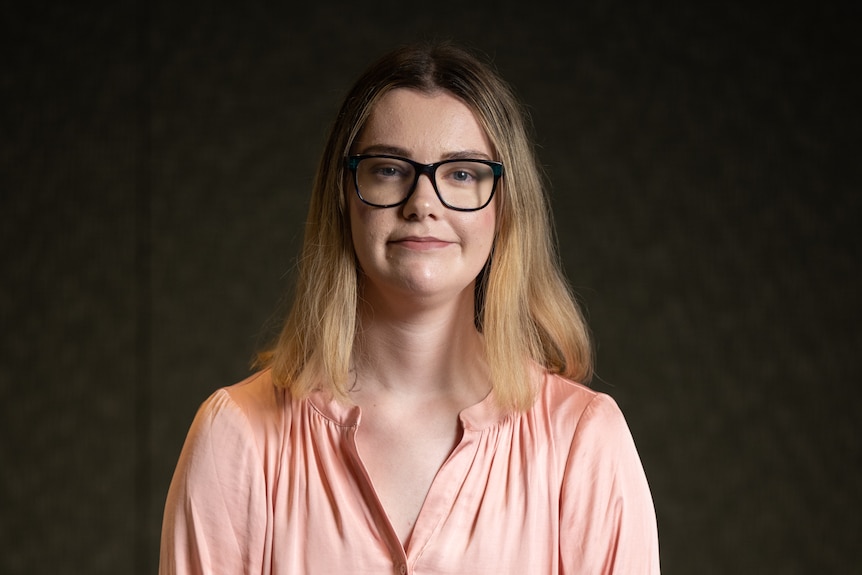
[524, 306]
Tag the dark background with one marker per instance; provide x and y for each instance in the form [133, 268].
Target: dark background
[154, 167]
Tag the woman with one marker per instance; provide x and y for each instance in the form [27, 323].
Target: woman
[421, 411]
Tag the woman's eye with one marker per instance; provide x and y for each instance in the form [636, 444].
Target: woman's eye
[461, 175]
[384, 171]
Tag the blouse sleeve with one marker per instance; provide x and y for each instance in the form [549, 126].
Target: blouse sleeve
[215, 512]
[607, 524]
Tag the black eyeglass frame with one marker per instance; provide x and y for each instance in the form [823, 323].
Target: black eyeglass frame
[429, 169]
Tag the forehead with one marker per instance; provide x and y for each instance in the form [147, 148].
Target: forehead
[423, 123]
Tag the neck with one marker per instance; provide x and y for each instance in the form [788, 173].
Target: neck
[420, 351]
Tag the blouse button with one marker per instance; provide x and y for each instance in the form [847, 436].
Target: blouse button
[402, 569]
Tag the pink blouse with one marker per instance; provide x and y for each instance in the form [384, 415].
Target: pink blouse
[270, 484]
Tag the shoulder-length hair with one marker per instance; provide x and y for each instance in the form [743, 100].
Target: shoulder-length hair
[524, 306]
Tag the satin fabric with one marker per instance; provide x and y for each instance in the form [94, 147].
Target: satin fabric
[267, 484]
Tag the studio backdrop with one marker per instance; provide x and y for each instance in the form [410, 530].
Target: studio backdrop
[702, 164]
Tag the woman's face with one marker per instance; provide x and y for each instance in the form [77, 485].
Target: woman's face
[421, 248]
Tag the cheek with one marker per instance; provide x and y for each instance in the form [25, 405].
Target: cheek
[358, 228]
[481, 233]
[361, 217]
[365, 228]
[488, 225]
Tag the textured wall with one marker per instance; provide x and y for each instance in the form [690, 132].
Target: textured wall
[154, 163]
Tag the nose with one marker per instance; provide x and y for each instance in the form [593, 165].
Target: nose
[423, 202]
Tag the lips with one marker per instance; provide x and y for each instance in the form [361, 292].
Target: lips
[420, 243]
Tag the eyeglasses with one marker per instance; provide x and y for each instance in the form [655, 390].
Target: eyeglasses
[386, 181]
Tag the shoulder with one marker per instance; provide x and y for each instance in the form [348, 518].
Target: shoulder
[232, 416]
[591, 425]
[215, 511]
[607, 514]
[256, 396]
[574, 405]
[588, 426]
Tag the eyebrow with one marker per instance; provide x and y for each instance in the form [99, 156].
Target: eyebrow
[404, 153]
